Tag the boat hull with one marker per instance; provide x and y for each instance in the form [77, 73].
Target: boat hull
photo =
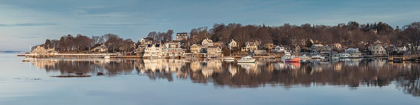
[246, 61]
[293, 60]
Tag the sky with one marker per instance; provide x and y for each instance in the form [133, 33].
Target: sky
[25, 23]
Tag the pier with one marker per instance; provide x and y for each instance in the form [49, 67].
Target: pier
[404, 57]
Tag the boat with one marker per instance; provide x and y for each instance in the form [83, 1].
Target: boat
[107, 56]
[287, 55]
[344, 55]
[246, 59]
[228, 59]
[317, 56]
[296, 59]
[336, 56]
[290, 58]
[304, 57]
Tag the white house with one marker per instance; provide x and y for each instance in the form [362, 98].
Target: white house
[207, 42]
[353, 52]
[101, 49]
[181, 36]
[153, 50]
[377, 49]
[146, 41]
[173, 49]
[233, 44]
[195, 48]
[251, 45]
[214, 51]
[400, 49]
[279, 49]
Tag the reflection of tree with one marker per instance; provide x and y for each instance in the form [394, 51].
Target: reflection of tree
[87, 67]
[233, 75]
[410, 82]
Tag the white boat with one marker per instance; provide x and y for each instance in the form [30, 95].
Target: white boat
[317, 56]
[304, 57]
[228, 59]
[107, 56]
[246, 59]
[344, 55]
[289, 58]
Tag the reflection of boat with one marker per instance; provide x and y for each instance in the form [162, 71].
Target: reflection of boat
[247, 66]
[295, 64]
[246, 59]
[228, 59]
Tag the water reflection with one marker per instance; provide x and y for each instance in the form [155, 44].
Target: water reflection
[352, 73]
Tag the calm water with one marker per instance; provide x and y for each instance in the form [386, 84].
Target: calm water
[156, 82]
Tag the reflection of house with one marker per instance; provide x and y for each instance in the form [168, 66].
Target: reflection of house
[100, 49]
[232, 44]
[377, 49]
[153, 50]
[181, 36]
[173, 49]
[207, 42]
[196, 48]
[214, 51]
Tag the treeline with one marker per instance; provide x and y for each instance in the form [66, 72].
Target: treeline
[114, 43]
[351, 34]
[81, 43]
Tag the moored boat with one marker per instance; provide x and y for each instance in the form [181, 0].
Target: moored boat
[246, 59]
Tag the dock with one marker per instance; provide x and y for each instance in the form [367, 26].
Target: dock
[404, 57]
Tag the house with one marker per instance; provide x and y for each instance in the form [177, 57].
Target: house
[195, 48]
[353, 52]
[251, 45]
[280, 48]
[269, 46]
[153, 50]
[377, 49]
[207, 42]
[400, 49]
[101, 49]
[316, 47]
[337, 46]
[181, 36]
[233, 44]
[146, 41]
[214, 51]
[173, 49]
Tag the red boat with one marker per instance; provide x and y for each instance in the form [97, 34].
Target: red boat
[297, 59]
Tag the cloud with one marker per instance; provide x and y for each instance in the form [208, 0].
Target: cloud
[28, 24]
